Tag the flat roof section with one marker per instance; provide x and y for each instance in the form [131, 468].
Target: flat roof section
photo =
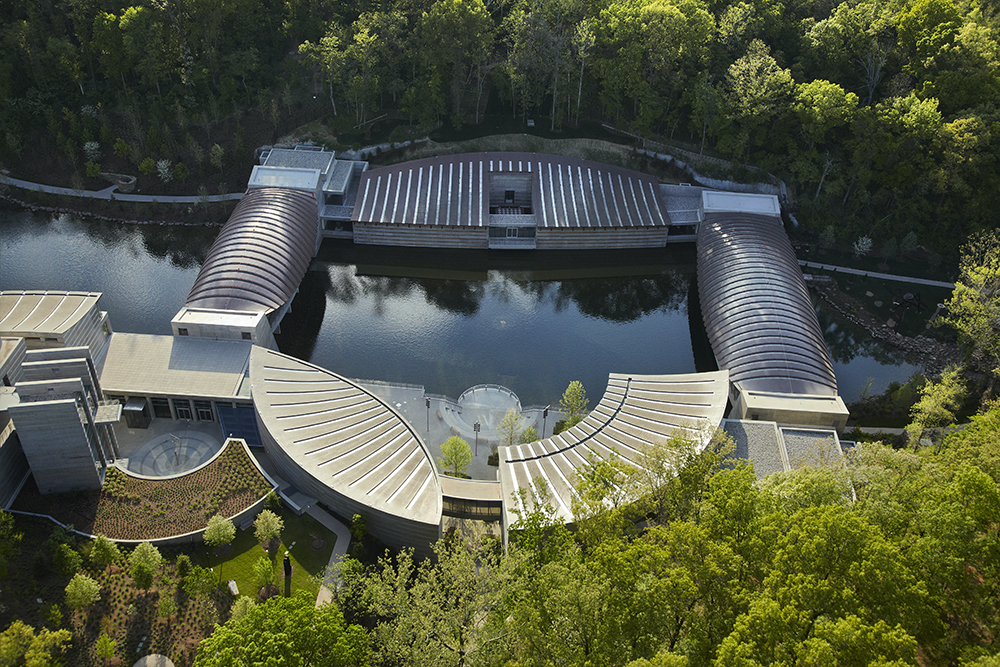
[233, 318]
[34, 312]
[720, 201]
[454, 190]
[261, 254]
[637, 412]
[344, 437]
[280, 177]
[756, 307]
[143, 364]
[288, 158]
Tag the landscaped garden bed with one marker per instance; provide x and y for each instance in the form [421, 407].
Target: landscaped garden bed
[131, 508]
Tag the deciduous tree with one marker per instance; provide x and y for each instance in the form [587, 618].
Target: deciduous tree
[456, 455]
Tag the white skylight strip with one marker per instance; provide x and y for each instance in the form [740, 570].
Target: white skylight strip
[385, 200]
[420, 492]
[413, 451]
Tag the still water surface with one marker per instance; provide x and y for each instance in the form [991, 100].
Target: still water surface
[442, 319]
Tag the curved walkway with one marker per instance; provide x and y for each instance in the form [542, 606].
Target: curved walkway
[109, 193]
[874, 274]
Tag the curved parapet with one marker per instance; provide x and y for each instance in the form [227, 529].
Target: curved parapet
[756, 307]
[260, 256]
[636, 412]
[338, 443]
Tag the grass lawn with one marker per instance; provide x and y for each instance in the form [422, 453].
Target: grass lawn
[297, 538]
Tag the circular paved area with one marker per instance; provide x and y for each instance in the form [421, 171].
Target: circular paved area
[484, 404]
[174, 453]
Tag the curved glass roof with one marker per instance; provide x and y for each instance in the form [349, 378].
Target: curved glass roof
[756, 307]
[260, 256]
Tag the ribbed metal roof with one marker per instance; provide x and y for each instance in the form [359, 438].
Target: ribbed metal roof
[261, 254]
[756, 307]
[344, 438]
[636, 413]
[455, 190]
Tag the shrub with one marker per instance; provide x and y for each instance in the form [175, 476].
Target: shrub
[164, 171]
[82, 591]
[181, 172]
[147, 166]
[267, 526]
[220, 530]
[92, 150]
[93, 169]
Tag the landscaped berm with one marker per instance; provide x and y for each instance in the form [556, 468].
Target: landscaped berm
[131, 508]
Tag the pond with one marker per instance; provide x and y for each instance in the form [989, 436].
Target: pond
[446, 320]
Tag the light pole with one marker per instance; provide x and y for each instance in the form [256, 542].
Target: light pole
[545, 415]
[475, 427]
[427, 401]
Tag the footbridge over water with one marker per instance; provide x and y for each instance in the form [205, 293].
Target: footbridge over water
[759, 318]
[254, 268]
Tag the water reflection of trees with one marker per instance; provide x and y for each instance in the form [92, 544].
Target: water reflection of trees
[625, 299]
[183, 247]
[846, 342]
[615, 299]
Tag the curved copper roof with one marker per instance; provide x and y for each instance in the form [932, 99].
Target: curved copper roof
[756, 307]
[261, 254]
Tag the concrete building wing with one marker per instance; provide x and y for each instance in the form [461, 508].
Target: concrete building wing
[336, 442]
[143, 364]
[636, 413]
[47, 319]
[260, 256]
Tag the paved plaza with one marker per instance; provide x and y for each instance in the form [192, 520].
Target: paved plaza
[446, 417]
[167, 447]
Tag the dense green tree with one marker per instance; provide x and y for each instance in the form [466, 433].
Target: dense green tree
[82, 591]
[455, 456]
[974, 306]
[219, 531]
[267, 527]
[20, 645]
[287, 631]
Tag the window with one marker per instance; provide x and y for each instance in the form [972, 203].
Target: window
[246, 335]
[161, 408]
[181, 331]
[182, 408]
[508, 196]
[204, 410]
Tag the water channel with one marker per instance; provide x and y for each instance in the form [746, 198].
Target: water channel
[446, 320]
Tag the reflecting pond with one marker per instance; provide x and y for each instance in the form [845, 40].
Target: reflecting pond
[442, 319]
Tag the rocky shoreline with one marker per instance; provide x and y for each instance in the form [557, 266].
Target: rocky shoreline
[59, 210]
[934, 355]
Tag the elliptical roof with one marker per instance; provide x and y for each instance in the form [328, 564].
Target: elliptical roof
[756, 307]
[260, 256]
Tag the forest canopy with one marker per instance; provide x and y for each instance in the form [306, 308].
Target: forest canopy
[883, 116]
